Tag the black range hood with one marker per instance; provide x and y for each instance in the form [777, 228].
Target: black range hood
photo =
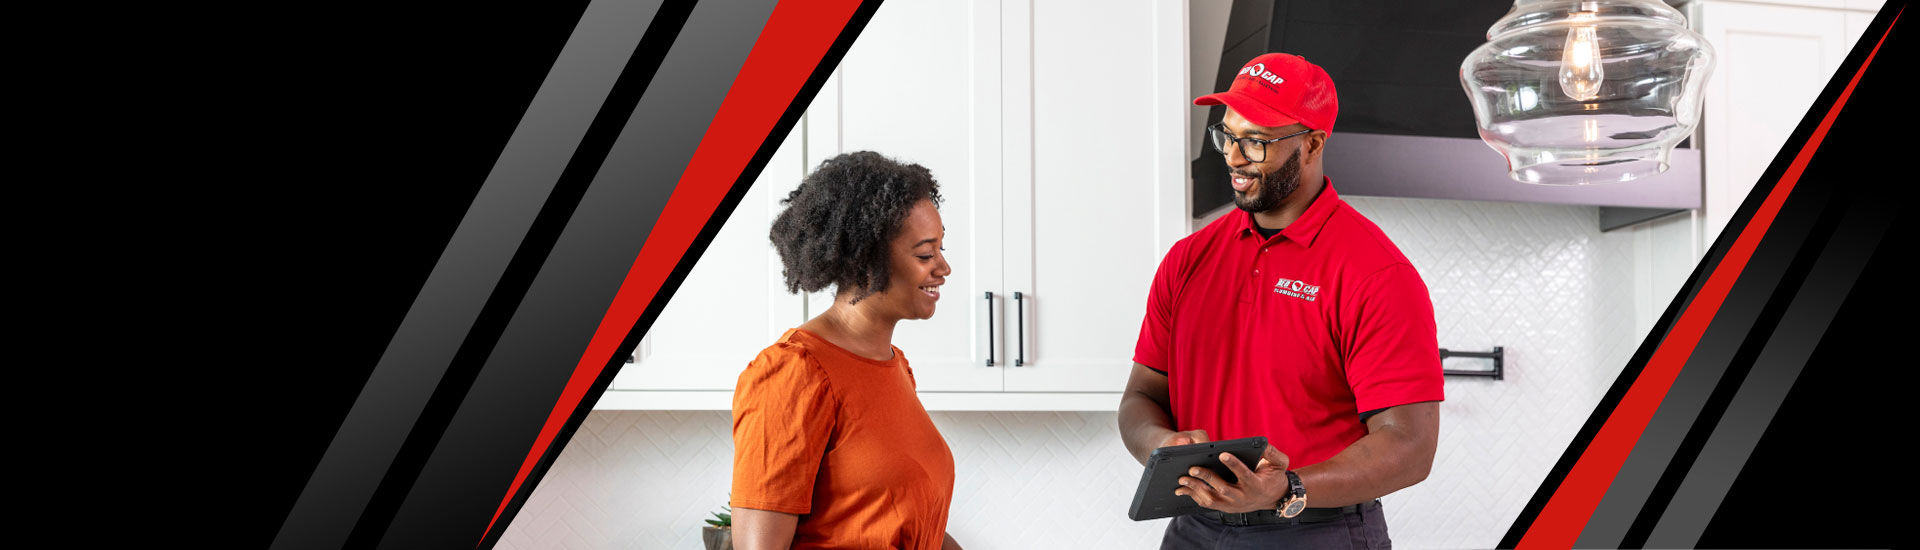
[1406, 128]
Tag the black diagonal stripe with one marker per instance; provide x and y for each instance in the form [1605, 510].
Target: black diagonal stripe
[1687, 500]
[486, 439]
[377, 449]
[371, 444]
[1728, 352]
[1840, 421]
[1725, 352]
[635, 78]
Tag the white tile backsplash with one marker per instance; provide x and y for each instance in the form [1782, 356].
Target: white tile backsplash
[1541, 280]
[1559, 295]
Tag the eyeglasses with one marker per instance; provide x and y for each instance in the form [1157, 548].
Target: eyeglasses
[1218, 136]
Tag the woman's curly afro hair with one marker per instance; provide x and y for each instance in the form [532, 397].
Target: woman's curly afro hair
[840, 224]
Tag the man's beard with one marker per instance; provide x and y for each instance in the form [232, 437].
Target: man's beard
[1272, 187]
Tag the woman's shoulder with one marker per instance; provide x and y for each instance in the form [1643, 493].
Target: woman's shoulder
[783, 371]
[787, 354]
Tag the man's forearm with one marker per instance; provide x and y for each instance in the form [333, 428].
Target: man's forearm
[1143, 424]
[1396, 453]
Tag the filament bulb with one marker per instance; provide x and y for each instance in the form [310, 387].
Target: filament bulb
[1580, 72]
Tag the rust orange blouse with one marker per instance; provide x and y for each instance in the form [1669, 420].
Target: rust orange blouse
[843, 441]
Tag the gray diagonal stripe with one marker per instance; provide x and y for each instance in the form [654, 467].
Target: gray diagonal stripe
[486, 441]
[466, 274]
[1703, 371]
[1761, 394]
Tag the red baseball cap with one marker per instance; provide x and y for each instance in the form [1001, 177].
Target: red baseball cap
[1279, 89]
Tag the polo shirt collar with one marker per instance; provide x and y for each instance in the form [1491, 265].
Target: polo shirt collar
[1306, 229]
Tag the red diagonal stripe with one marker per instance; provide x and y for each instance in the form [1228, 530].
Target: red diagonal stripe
[788, 50]
[1568, 510]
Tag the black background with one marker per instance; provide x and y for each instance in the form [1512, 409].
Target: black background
[262, 191]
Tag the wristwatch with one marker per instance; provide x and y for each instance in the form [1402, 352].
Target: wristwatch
[1296, 500]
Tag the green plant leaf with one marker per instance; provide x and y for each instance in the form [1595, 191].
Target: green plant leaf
[726, 518]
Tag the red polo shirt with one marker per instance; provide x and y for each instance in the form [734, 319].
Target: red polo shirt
[1290, 337]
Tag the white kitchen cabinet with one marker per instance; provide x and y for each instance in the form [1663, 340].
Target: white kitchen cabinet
[922, 85]
[1057, 131]
[732, 303]
[1096, 186]
[1773, 61]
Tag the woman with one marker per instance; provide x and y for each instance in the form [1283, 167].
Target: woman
[832, 448]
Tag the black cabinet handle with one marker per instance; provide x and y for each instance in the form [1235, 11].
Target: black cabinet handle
[1020, 330]
[989, 328]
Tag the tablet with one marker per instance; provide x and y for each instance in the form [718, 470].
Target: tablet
[1155, 499]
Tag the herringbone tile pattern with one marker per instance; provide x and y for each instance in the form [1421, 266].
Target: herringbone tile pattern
[631, 480]
[1544, 282]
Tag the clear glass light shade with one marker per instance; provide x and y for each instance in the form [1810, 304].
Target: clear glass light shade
[1575, 92]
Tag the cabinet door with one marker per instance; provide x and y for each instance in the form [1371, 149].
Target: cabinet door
[1773, 62]
[922, 84]
[1096, 182]
[1857, 22]
[732, 303]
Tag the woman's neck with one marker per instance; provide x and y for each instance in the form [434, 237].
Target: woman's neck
[855, 328]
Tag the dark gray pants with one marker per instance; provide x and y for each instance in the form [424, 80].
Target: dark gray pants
[1367, 529]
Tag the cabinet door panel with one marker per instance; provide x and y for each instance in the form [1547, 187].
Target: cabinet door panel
[732, 303]
[1104, 189]
[922, 85]
[1773, 62]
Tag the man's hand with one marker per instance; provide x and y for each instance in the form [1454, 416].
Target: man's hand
[1188, 437]
[1260, 488]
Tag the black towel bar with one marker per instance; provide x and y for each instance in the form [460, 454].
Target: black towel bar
[1498, 355]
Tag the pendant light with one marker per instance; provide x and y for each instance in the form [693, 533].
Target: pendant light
[1579, 92]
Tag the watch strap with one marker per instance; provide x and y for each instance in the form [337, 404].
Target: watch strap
[1296, 500]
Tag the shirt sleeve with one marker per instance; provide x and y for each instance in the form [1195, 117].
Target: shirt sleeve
[1156, 329]
[1393, 351]
[783, 416]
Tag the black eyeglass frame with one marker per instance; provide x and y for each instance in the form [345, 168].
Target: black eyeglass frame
[1218, 131]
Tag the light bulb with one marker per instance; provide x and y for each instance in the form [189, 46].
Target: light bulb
[1580, 72]
[1595, 128]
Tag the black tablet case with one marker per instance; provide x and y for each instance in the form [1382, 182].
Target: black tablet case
[1155, 499]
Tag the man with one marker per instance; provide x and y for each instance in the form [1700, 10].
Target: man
[1293, 318]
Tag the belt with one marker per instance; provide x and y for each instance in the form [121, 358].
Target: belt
[1268, 517]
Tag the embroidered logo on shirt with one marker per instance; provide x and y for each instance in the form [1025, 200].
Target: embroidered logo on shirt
[1297, 289]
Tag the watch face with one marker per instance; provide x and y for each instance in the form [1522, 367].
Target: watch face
[1293, 508]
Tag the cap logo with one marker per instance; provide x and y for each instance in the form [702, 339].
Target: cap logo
[1259, 70]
